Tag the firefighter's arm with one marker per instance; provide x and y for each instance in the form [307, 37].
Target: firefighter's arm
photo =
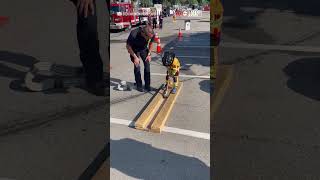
[130, 51]
[151, 41]
[150, 46]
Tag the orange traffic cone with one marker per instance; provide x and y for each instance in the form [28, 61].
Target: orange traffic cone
[156, 38]
[159, 47]
[180, 33]
[3, 20]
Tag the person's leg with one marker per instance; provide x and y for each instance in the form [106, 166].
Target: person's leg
[146, 64]
[88, 41]
[137, 74]
[167, 81]
[175, 84]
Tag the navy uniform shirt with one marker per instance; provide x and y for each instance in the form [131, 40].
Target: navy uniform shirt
[137, 41]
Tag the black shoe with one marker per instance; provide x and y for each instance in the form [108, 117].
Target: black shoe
[99, 89]
[139, 88]
[148, 88]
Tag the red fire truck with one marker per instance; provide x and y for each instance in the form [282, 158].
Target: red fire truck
[123, 15]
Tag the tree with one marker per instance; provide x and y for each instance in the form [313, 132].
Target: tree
[167, 3]
[192, 2]
[182, 2]
[203, 2]
[145, 3]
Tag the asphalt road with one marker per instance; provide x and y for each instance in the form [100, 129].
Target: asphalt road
[169, 155]
[46, 135]
[267, 126]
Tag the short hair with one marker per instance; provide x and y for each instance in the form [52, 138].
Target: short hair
[148, 30]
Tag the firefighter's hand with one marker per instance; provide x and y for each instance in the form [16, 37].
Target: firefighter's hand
[136, 61]
[84, 6]
[148, 58]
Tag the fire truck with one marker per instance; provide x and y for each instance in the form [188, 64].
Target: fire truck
[144, 13]
[123, 15]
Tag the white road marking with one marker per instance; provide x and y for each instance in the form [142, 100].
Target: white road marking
[198, 57]
[201, 57]
[194, 40]
[193, 46]
[182, 75]
[272, 47]
[187, 132]
[173, 130]
[313, 49]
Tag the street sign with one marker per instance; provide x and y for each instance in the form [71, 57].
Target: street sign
[185, 13]
[189, 13]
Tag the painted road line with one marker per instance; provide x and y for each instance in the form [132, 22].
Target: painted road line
[195, 39]
[150, 111]
[272, 47]
[222, 82]
[165, 111]
[193, 46]
[172, 130]
[311, 49]
[183, 75]
[187, 132]
[200, 57]
[122, 122]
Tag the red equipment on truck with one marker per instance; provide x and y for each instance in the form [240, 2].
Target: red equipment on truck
[123, 15]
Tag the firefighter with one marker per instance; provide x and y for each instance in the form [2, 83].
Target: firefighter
[172, 63]
[87, 35]
[154, 22]
[139, 44]
[149, 19]
[160, 21]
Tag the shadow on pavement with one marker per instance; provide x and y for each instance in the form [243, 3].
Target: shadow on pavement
[142, 161]
[304, 77]
[205, 85]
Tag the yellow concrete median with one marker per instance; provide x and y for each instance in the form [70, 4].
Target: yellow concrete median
[149, 112]
[164, 112]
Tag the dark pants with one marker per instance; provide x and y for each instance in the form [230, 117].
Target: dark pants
[137, 73]
[154, 24]
[160, 24]
[87, 34]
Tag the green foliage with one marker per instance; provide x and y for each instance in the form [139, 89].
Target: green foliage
[146, 3]
[192, 2]
[167, 3]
